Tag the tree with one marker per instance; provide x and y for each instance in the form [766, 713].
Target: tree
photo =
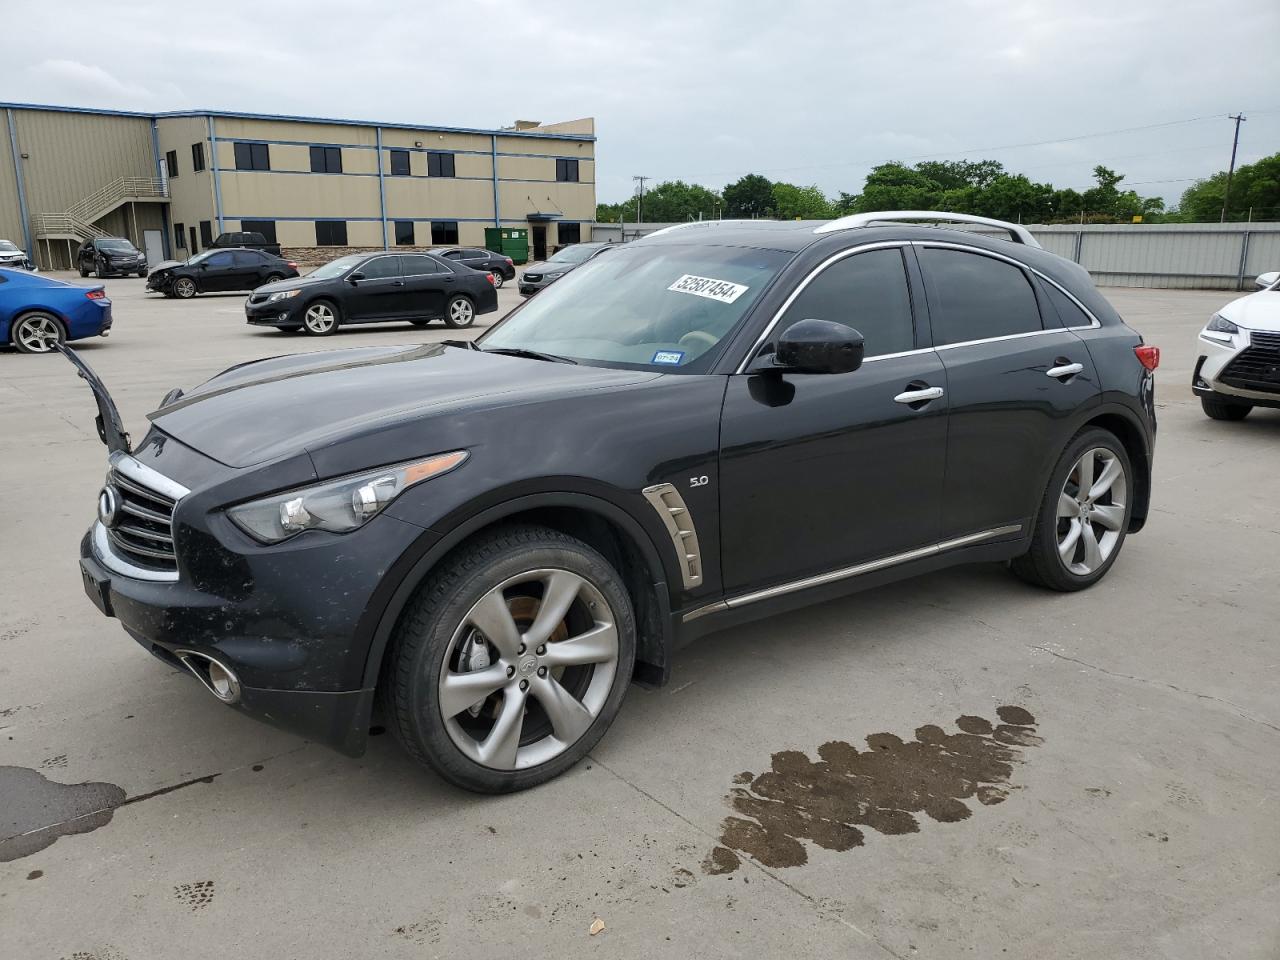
[1254, 186]
[752, 196]
[672, 201]
[800, 203]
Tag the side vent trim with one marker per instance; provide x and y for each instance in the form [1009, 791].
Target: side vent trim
[674, 513]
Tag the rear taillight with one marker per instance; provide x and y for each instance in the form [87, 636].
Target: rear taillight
[491, 280]
[510, 262]
[292, 265]
[1148, 356]
[96, 294]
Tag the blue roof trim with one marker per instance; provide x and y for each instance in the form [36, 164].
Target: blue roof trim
[237, 115]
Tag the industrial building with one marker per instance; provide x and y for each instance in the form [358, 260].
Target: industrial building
[171, 182]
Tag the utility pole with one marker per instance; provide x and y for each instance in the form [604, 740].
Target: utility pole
[1226, 192]
[640, 201]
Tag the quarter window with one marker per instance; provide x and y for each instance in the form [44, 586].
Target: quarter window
[326, 159]
[404, 233]
[972, 297]
[439, 164]
[400, 163]
[380, 268]
[252, 156]
[444, 232]
[265, 227]
[1071, 314]
[171, 163]
[197, 157]
[867, 292]
[331, 233]
[567, 171]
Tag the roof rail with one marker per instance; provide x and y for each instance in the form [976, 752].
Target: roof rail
[694, 223]
[1017, 232]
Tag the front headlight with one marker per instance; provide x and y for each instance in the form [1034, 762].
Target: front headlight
[1220, 324]
[338, 506]
[282, 295]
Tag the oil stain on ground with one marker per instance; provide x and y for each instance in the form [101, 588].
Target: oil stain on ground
[37, 811]
[829, 801]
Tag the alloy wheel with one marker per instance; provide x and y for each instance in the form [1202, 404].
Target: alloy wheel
[461, 313]
[529, 669]
[319, 318]
[498, 281]
[36, 333]
[1091, 511]
[185, 288]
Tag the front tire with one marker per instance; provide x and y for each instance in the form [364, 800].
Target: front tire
[460, 312]
[184, 288]
[37, 332]
[511, 661]
[1216, 408]
[83, 271]
[1084, 516]
[320, 319]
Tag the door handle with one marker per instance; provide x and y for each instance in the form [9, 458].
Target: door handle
[1064, 370]
[397, 283]
[919, 395]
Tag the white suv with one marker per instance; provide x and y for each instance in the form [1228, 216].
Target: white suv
[1239, 365]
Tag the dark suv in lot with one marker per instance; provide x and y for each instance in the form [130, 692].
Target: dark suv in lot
[110, 255]
[488, 541]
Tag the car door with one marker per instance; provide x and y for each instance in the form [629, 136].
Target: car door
[246, 270]
[1016, 379]
[476, 259]
[376, 290]
[428, 284]
[820, 471]
[217, 272]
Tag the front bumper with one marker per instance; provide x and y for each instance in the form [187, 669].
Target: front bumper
[1216, 370]
[125, 267]
[530, 287]
[281, 313]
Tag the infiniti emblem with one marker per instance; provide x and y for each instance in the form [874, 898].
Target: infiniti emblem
[528, 664]
[109, 506]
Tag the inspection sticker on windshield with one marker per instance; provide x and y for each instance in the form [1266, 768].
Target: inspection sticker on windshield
[668, 356]
[709, 287]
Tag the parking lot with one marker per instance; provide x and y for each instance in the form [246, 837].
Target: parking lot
[1140, 818]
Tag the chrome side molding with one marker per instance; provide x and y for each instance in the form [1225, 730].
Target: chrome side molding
[674, 513]
[846, 573]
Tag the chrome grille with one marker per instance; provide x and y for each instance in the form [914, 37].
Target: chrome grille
[1258, 366]
[533, 277]
[258, 297]
[143, 530]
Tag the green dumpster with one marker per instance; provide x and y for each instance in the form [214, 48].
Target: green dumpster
[510, 242]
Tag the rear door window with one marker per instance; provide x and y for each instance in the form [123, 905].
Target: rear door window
[246, 258]
[381, 267]
[418, 265]
[976, 297]
[867, 292]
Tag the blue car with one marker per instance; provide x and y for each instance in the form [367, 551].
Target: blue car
[37, 312]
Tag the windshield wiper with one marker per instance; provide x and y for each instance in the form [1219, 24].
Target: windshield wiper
[531, 354]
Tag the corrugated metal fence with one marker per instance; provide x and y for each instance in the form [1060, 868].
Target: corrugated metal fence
[1205, 256]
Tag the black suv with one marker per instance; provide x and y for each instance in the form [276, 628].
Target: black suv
[219, 271]
[490, 540]
[502, 267]
[110, 255]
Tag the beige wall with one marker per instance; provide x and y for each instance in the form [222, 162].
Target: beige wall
[10, 209]
[191, 192]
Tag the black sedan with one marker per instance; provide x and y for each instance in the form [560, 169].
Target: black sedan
[375, 288]
[503, 268]
[219, 271]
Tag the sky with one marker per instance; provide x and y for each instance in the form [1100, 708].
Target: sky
[809, 91]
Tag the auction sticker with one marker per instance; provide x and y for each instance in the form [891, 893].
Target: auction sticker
[709, 287]
[668, 356]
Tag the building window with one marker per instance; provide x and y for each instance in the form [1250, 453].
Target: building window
[197, 157]
[444, 232]
[567, 171]
[326, 159]
[439, 164]
[569, 233]
[180, 236]
[171, 163]
[206, 233]
[404, 233]
[331, 233]
[400, 163]
[252, 156]
[265, 227]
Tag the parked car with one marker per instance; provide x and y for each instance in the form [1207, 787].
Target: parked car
[375, 288]
[219, 271]
[14, 257]
[502, 267]
[722, 421]
[247, 239]
[541, 275]
[1239, 364]
[110, 256]
[37, 312]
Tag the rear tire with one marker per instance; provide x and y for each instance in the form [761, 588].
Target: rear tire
[142, 274]
[498, 280]
[37, 332]
[460, 312]
[1216, 408]
[539, 709]
[1084, 515]
[83, 271]
[272, 278]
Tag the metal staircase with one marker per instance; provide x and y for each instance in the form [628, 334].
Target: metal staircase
[77, 221]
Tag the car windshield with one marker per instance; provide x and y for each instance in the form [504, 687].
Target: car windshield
[8, 246]
[202, 256]
[117, 246]
[336, 268]
[660, 307]
[572, 254]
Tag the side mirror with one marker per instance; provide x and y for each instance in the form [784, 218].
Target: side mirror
[352, 278]
[815, 346]
[1267, 279]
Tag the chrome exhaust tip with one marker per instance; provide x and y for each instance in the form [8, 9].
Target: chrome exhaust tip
[217, 677]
